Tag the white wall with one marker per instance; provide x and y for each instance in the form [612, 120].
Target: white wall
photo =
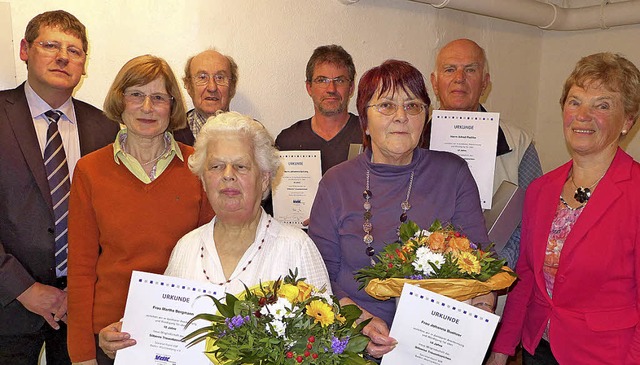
[560, 52]
[272, 41]
[7, 64]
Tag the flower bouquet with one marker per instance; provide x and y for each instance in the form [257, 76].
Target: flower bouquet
[439, 259]
[282, 322]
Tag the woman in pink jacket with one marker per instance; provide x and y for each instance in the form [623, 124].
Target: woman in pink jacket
[578, 295]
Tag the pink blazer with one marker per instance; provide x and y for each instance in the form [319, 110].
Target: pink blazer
[594, 311]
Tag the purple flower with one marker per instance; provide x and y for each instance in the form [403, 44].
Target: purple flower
[236, 321]
[338, 345]
[417, 277]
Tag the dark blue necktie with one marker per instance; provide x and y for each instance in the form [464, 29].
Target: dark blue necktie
[55, 164]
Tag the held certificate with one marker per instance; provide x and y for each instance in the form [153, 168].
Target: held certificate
[158, 307]
[472, 136]
[433, 329]
[298, 182]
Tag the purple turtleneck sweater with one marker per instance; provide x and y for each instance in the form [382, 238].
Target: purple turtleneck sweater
[443, 188]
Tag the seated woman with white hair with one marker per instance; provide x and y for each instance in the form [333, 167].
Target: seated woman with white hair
[236, 161]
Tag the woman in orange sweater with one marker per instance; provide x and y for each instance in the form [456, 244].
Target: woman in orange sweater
[130, 202]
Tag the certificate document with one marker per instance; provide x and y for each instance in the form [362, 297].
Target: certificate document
[297, 186]
[434, 329]
[158, 308]
[472, 136]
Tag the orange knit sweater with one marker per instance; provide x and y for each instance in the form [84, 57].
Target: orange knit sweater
[118, 224]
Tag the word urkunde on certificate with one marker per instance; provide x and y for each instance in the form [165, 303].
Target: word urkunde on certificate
[472, 136]
[158, 308]
[296, 187]
[433, 329]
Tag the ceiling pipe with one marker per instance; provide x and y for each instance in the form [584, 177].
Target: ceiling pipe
[546, 16]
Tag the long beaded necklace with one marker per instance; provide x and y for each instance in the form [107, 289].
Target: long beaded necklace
[367, 226]
[204, 271]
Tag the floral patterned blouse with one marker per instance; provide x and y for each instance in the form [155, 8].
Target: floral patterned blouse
[561, 226]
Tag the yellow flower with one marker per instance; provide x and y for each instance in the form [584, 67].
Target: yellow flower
[468, 263]
[289, 291]
[304, 291]
[321, 311]
[423, 241]
[340, 318]
[411, 243]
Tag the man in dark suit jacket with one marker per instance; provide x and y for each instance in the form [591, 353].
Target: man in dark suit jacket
[32, 292]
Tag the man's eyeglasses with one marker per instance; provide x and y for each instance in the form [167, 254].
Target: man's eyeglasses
[138, 98]
[203, 79]
[322, 81]
[390, 108]
[54, 47]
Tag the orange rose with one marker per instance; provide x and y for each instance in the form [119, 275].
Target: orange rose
[437, 242]
[459, 244]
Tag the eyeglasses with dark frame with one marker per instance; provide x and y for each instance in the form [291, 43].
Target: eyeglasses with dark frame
[390, 108]
[203, 78]
[138, 98]
[54, 47]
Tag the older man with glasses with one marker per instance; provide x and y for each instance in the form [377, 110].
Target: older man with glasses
[210, 79]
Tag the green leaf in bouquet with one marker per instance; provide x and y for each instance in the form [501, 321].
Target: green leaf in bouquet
[361, 325]
[351, 313]
[226, 309]
[197, 336]
[353, 359]
[292, 277]
[357, 344]
[408, 230]
[435, 226]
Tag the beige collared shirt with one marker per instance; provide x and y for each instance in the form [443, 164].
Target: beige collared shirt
[120, 156]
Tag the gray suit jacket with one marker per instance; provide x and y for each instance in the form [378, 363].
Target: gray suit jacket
[26, 212]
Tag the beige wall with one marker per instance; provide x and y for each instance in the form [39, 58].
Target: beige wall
[560, 52]
[7, 64]
[272, 41]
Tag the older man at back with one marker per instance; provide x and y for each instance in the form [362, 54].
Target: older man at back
[210, 79]
[460, 79]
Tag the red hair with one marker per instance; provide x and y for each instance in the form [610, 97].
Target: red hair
[391, 75]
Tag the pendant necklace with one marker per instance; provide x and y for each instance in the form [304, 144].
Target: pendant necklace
[581, 194]
[367, 226]
[164, 150]
[204, 271]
